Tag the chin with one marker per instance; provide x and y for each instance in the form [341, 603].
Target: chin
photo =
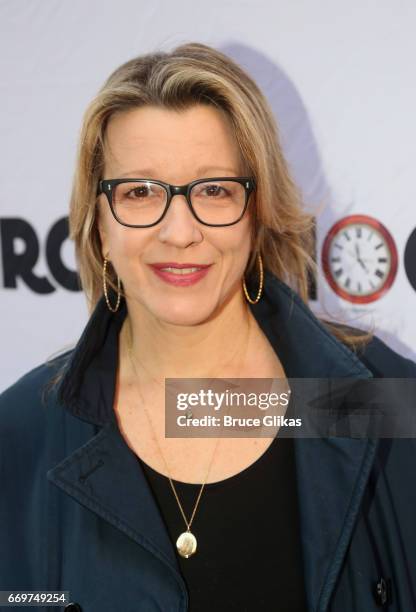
[183, 314]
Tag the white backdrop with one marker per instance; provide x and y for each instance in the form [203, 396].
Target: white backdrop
[340, 78]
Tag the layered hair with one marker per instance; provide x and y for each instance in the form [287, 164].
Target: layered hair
[193, 73]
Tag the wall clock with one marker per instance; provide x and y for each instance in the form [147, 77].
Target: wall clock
[359, 259]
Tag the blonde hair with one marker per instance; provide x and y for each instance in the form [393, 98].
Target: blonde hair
[191, 74]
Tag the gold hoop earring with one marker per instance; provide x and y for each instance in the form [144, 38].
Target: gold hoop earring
[105, 288]
[259, 292]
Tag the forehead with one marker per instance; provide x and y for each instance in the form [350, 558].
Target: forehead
[171, 142]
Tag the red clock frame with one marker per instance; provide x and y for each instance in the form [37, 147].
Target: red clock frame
[346, 221]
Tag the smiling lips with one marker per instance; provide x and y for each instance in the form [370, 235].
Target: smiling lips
[181, 275]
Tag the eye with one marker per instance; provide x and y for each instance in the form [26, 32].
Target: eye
[210, 190]
[213, 189]
[139, 191]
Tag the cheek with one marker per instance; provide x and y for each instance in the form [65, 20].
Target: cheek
[128, 249]
[234, 247]
[238, 244]
[116, 239]
[121, 241]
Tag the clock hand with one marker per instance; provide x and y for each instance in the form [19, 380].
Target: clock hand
[358, 258]
[360, 261]
[357, 253]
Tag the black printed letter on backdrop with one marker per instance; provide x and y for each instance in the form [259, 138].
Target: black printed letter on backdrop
[14, 264]
[410, 259]
[57, 236]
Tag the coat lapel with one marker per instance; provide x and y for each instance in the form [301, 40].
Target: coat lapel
[331, 472]
[104, 475]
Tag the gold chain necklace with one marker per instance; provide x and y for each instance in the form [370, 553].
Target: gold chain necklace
[186, 543]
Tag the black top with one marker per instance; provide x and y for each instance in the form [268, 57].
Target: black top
[248, 555]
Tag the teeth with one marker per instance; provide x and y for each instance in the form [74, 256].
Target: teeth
[180, 270]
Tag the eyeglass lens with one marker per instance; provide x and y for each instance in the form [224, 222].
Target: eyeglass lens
[143, 203]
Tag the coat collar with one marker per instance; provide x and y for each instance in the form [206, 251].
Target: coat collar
[331, 472]
[305, 347]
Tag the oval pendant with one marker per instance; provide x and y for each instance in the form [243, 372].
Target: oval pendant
[186, 544]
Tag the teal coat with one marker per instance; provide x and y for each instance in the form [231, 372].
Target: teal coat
[66, 475]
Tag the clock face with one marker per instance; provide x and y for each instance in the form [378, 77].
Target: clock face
[359, 259]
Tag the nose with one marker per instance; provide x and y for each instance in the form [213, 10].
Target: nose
[179, 226]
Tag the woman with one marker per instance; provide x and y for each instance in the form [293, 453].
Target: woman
[193, 251]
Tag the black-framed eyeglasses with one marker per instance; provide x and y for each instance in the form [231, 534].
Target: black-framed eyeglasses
[144, 202]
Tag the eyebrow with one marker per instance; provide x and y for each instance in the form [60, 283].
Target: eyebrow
[149, 172]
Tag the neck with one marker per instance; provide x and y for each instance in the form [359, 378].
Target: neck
[180, 351]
